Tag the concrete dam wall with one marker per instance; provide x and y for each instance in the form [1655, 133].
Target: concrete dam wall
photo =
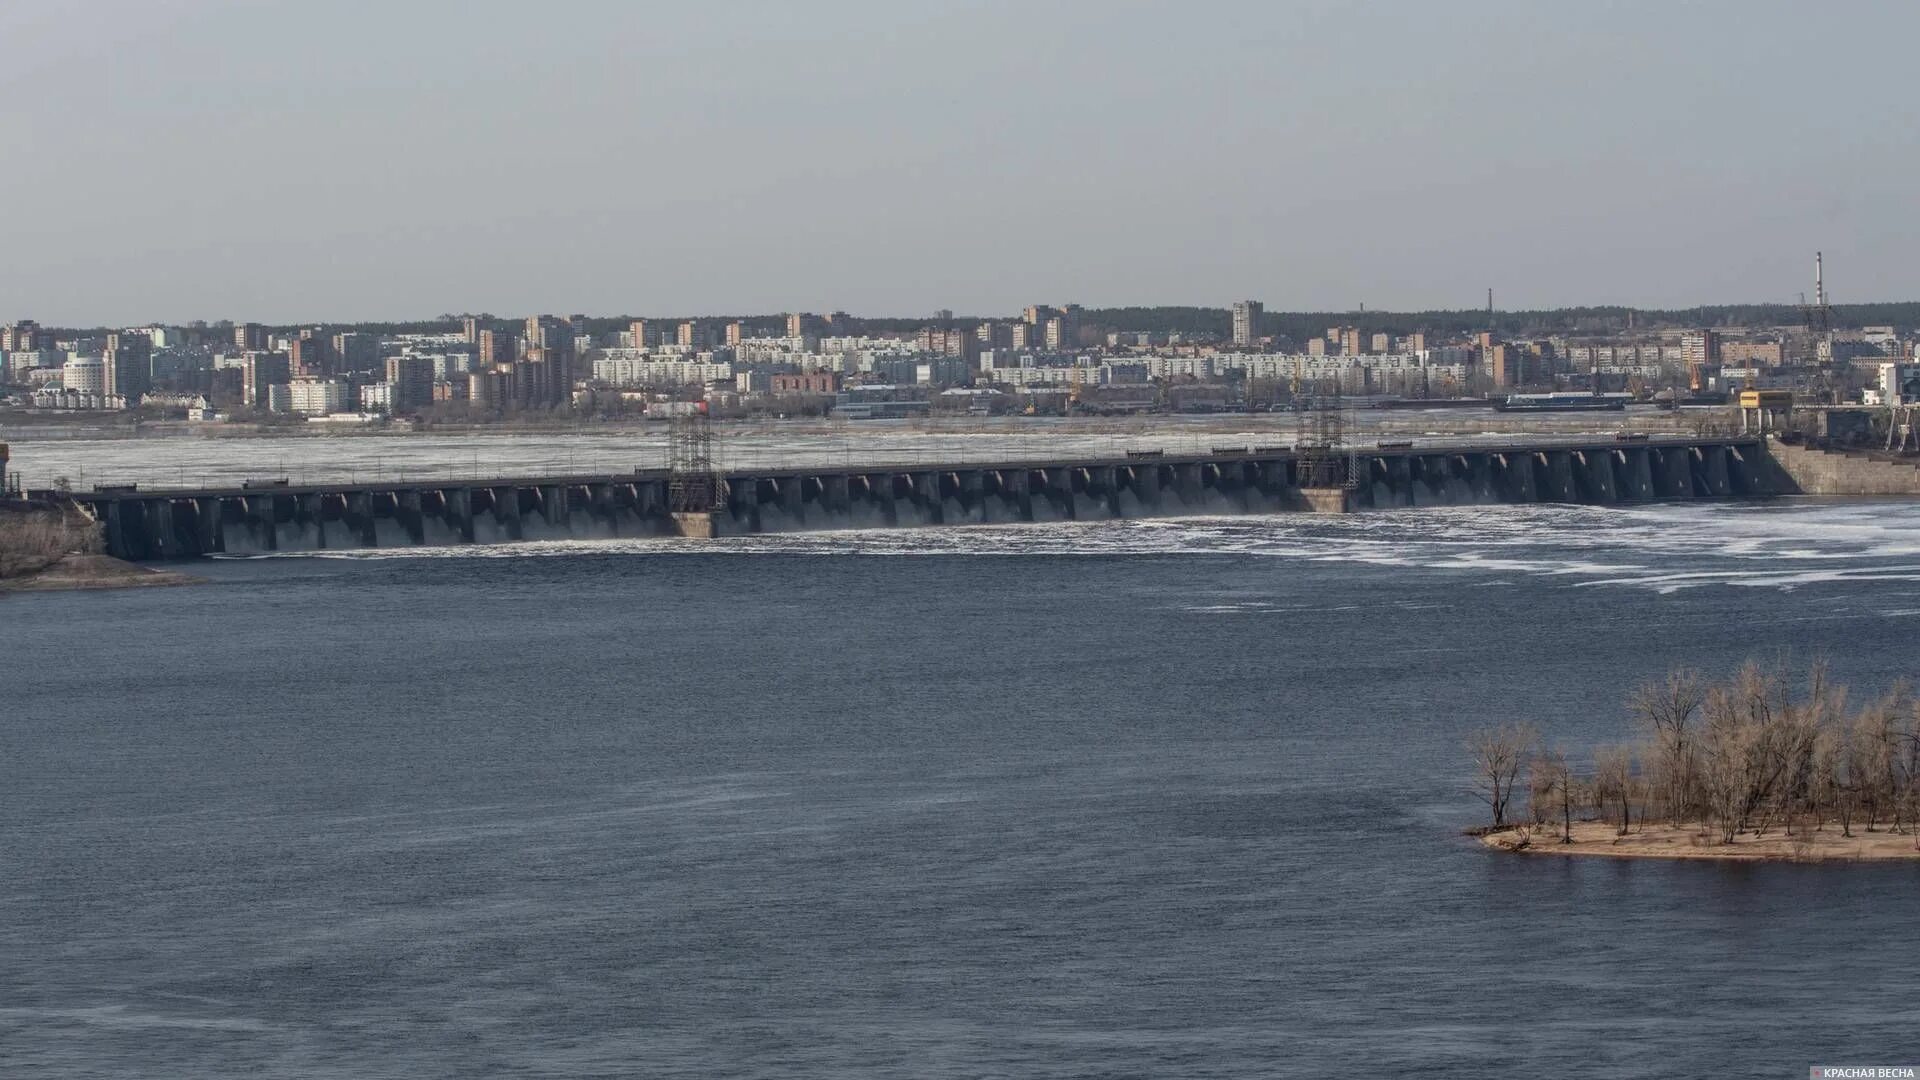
[1805, 471]
[183, 523]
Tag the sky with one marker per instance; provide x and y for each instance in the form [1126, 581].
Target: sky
[170, 160]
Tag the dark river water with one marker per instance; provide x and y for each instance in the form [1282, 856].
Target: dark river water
[1155, 799]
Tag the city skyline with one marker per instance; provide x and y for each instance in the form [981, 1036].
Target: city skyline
[694, 161]
[1787, 312]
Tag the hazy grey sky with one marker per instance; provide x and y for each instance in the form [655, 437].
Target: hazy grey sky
[179, 159]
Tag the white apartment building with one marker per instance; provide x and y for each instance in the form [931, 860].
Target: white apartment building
[318, 397]
[1042, 376]
[84, 374]
[643, 370]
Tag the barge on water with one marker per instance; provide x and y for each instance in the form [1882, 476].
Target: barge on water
[1564, 401]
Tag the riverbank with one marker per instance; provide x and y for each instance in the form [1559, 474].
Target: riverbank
[1658, 841]
[93, 572]
[47, 546]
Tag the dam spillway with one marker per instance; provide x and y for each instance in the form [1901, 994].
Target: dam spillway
[184, 522]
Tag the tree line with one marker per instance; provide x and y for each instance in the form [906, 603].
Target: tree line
[1294, 326]
[1742, 755]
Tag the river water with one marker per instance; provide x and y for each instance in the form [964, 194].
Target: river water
[1156, 799]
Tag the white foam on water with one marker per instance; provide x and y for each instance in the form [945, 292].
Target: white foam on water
[1785, 544]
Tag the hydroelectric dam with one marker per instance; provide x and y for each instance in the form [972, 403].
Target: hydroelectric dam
[262, 516]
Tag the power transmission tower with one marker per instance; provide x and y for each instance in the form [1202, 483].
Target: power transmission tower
[692, 485]
[1326, 459]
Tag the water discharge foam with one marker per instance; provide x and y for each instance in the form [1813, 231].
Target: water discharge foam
[1783, 545]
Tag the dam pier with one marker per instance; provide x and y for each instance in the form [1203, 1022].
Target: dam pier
[270, 515]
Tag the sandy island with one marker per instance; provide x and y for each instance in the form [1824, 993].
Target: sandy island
[93, 572]
[1659, 841]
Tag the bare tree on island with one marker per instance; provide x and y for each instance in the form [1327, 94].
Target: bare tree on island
[1831, 781]
[1723, 761]
[1613, 782]
[1551, 790]
[1670, 710]
[1498, 756]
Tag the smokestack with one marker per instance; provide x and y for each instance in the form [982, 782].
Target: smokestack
[1819, 282]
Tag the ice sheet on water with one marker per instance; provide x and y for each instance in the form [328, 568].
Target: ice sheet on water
[1785, 545]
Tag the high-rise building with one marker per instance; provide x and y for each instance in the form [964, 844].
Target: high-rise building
[736, 331]
[261, 370]
[1246, 322]
[470, 329]
[489, 389]
[695, 334]
[23, 336]
[542, 330]
[312, 354]
[548, 379]
[354, 352]
[800, 324]
[1512, 365]
[129, 365]
[249, 336]
[1381, 343]
[410, 382]
[456, 388]
[498, 347]
[948, 341]
[1058, 328]
[995, 335]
